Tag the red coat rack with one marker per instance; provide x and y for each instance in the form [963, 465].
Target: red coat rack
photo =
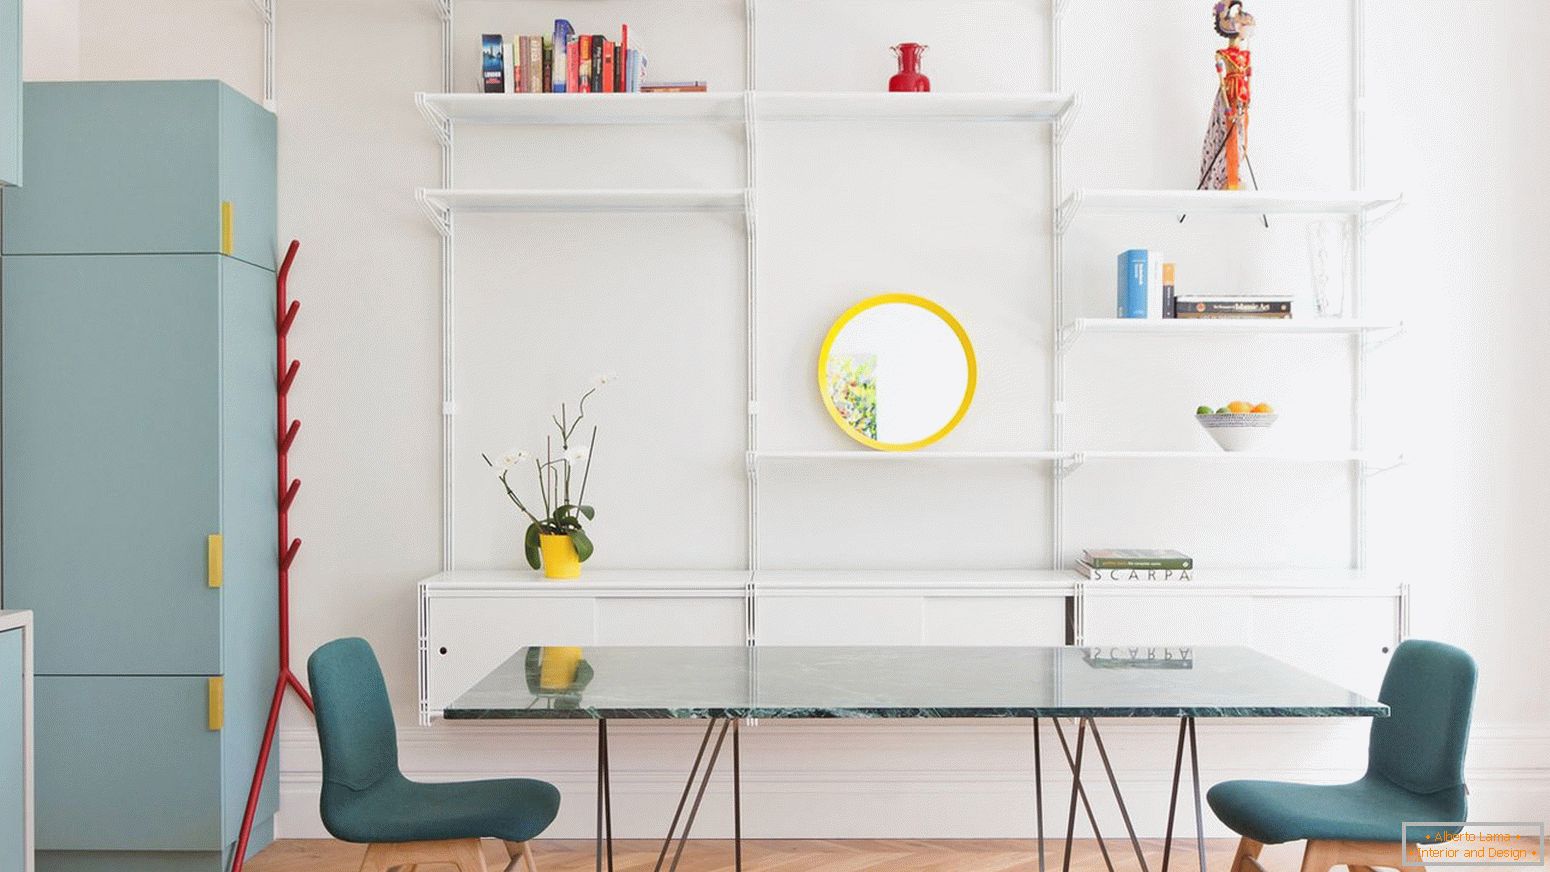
[287, 487]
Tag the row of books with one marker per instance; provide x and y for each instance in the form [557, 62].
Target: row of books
[1135, 564]
[1146, 289]
[567, 62]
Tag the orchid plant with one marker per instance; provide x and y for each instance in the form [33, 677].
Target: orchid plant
[562, 515]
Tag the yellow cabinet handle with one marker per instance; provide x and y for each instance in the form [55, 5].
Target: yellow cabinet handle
[226, 228]
[215, 559]
[217, 712]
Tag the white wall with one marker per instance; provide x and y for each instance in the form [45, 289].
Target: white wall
[956, 214]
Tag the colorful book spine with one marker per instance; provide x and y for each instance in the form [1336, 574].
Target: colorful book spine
[598, 44]
[546, 81]
[559, 80]
[535, 64]
[573, 65]
[1227, 307]
[609, 71]
[584, 68]
[492, 64]
[1168, 289]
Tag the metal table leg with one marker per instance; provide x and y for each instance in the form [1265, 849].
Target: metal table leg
[1200, 819]
[1173, 795]
[688, 786]
[1038, 791]
[605, 812]
[1079, 791]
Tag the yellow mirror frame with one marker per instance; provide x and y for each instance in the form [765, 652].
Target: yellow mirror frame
[872, 303]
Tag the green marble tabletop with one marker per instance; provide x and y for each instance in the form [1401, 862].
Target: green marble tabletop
[903, 682]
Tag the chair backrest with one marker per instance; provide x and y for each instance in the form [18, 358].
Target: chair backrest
[1430, 691]
[354, 715]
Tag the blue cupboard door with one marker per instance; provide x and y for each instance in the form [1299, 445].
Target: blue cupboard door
[248, 493]
[111, 423]
[118, 168]
[126, 764]
[13, 795]
[10, 93]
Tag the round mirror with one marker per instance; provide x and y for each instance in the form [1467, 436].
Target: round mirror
[896, 372]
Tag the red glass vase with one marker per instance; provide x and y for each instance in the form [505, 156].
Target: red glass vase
[909, 77]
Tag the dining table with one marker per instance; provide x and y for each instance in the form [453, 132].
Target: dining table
[1074, 687]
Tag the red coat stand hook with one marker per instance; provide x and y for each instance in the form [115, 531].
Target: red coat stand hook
[286, 489]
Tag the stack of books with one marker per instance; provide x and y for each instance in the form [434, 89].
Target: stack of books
[1147, 290]
[566, 62]
[1135, 564]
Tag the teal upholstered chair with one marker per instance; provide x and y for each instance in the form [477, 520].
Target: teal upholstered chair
[1415, 772]
[366, 799]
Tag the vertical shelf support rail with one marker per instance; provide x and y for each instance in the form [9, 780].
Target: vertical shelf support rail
[447, 223]
[286, 488]
[266, 13]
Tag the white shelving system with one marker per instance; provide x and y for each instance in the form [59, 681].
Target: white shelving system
[751, 107]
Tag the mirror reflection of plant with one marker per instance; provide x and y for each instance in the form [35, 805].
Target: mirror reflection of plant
[562, 516]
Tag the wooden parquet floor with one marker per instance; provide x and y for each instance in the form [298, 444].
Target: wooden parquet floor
[795, 855]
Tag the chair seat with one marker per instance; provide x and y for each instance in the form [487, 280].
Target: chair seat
[1369, 810]
[399, 810]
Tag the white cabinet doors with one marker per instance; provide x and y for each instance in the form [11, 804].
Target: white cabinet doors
[1344, 636]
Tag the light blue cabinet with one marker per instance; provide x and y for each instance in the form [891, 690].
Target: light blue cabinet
[10, 92]
[145, 168]
[16, 841]
[137, 407]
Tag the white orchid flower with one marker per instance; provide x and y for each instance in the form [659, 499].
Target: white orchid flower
[603, 379]
[512, 458]
[577, 455]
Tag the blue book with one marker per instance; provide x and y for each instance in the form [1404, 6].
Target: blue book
[1140, 288]
[492, 64]
[1131, 302]
[562, 34]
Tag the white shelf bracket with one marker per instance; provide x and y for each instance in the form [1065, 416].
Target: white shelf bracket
[1067, 212]
[438, 119]
[1381, 213]
[751, 465]
[1066, 120]
[1067, 465]
[1373, 340]
[1069, 334]
[439, 214]
[1061, 8]
[443, 9]
[1378, 467]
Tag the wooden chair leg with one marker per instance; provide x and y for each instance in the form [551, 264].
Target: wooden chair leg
[1319, 856]
[525, 851]
[404, 856]
[467, 856]
[1247, 848]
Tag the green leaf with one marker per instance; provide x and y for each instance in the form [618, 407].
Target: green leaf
[578, 537]
[530, 547]
[589, 512]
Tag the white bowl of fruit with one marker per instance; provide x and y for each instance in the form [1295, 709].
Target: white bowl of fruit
[1238, 426]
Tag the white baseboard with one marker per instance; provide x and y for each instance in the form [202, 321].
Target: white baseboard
[914, 779]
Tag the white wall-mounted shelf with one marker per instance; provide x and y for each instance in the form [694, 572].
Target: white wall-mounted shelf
[927, 455]
[1227, 326]
[441, 203]
[930, 106]
[444, 110]
[670, 108]
[1126, 201]
[1373, 458]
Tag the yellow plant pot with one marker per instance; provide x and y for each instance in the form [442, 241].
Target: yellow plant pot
[559, 556]
[557, 667]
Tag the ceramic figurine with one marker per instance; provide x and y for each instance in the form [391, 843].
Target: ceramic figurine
[1227, 139]
[909, 77]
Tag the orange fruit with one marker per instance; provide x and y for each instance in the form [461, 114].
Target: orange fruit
[1239, 407]
[1263, 408]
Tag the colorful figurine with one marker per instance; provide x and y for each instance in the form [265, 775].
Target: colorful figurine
[1227, 139]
